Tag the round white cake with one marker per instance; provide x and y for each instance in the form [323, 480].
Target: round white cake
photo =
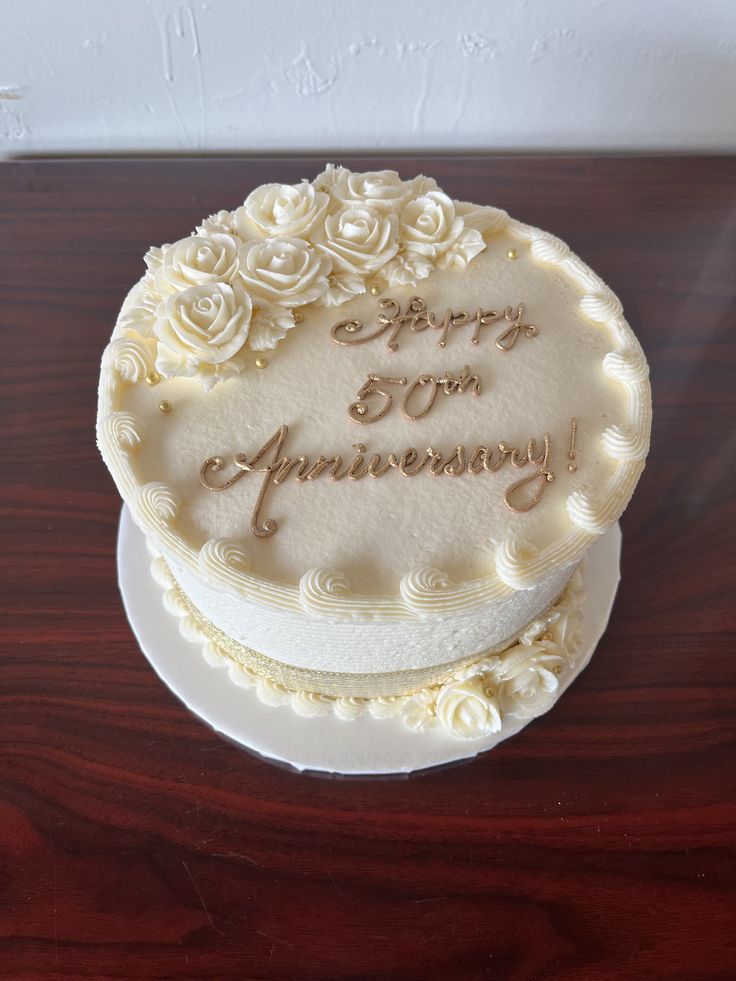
[370, 432]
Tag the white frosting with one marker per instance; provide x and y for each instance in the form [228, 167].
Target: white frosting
[516, 563]
[430, 227]
[424, 570]
[271, 693]
[482, 217]
[358, 635]
[349, 708]
[291, 246]
[382, 190]
[625, 444]
[341, 287]
[530, 679]
[201, 331]
[521, 681]
[547, 248]
[592, 512]
[360, 240]
[627, 366]
[129, 356]
[122, 429]
[201, 260]
[318, 589]
[601, 307]
[281, 210]
[386, 707]
[225, 559]
[157, 503]
[468, 708]
[222, 221]
[431, 591]
[310, 704]
[268, 327]
[285, 272]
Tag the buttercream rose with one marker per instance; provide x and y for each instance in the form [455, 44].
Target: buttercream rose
[430, 227]
[281, 211]
[201, 332]
[431, 233]
[221, 221]
[359, 239]
[468, 709]
[422, 185]
[529, 679]
[382, 190]
[197, 261]
[328, 178]
[286, 272]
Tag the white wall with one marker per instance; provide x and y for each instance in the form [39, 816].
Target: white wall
[130, 75]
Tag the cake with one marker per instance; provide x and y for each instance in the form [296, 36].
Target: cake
[369, 432]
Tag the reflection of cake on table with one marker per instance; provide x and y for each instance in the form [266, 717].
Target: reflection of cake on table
[369, 432]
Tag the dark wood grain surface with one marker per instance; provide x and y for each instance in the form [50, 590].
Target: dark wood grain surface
[597, 844]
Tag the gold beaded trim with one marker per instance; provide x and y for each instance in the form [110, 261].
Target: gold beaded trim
[338, 684]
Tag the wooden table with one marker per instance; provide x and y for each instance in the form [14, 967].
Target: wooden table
[134, 843]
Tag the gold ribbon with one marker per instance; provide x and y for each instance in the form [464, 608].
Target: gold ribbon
[338, 684]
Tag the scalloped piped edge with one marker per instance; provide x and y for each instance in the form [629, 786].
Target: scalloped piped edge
[518, 565]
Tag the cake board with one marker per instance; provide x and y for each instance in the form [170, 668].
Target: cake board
[326, 744]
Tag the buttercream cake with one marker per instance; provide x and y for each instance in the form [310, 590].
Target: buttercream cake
[369, 432]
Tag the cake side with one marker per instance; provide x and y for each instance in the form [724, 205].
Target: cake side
[369, 646]
[470, 701]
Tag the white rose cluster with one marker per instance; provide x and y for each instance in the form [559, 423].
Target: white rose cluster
[399, 231]
[523, 681]
[232, 286]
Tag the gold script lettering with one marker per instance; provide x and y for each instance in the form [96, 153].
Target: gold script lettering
[374, 388]
[391, 319]
[277, 466]
[512, 498]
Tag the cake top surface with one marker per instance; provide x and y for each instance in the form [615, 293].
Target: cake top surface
[356, 395]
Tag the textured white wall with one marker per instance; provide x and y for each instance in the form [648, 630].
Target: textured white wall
[131, 75]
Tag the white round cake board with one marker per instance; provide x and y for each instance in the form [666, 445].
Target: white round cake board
[327, 744]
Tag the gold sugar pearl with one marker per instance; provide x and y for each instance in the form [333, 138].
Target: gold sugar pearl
[571, 467]
[298, 317]
[512, 254]
[557, 669]
[261, 362]
[153, 378]
[374, 290]
[165, 405]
